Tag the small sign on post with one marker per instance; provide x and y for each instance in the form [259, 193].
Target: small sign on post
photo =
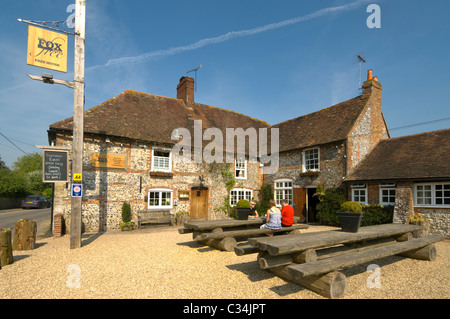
[77, 177]
[77, 190]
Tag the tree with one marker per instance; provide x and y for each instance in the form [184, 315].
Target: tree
[11, 184]
[2, 164]
[25, 178]
[29, 167]
[28, 163]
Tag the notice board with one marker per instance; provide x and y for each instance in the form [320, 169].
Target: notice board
[55, 168]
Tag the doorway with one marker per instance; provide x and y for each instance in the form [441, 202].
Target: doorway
[199, 203]
[312, 203]
[299, 201]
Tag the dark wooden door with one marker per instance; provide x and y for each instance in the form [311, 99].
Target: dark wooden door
[199, 203]
[299, 199]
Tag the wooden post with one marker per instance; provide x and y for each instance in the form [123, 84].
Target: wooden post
[24, 235]
[6, 251]
[78, 119]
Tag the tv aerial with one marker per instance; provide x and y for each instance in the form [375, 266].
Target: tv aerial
[195, 76]
[360, 59]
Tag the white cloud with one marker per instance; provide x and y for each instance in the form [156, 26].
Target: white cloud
[230, 35]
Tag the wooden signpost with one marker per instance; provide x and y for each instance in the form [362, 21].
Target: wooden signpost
[78, 103]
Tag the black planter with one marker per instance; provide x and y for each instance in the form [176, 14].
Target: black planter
[243, 213]
[350, 221]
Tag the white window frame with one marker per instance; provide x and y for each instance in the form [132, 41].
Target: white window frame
[389, 188]
[155, 168]
[160, 192]
[433, 195]
[305, 160]
[240, 166]
[283, 189]
[358, 188]
[236, 194]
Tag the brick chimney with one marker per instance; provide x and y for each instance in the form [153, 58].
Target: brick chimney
[372, 85]
[185, 91]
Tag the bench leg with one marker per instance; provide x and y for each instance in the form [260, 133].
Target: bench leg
[331, 285]
[424, 253]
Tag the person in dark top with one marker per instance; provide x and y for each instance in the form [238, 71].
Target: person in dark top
[253, 211]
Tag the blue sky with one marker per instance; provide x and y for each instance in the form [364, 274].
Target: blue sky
[270, 59]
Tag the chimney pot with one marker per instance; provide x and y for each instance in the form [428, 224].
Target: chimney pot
[375, 78]
[369, 74]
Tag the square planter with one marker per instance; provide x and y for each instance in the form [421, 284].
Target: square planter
[243, 213]
[350, 222]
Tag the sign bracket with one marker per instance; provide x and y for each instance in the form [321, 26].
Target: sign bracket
[47, 27]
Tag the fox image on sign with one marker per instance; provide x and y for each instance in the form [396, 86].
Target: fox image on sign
[47, 49]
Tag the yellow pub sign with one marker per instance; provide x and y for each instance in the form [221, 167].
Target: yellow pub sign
[108, 161]
[47, 49]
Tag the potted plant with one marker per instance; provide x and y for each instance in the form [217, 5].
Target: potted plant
[417, 219]
[243, 209]
[350, 216]
[127, 223]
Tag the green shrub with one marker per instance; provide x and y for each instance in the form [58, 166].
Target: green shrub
[243, 203]
[351, 207]
[126, 212]
[330, 203]
[265, 195]
[377, 214]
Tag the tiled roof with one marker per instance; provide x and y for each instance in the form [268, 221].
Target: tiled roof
[148, 117]
[424, 156]
[328, 125]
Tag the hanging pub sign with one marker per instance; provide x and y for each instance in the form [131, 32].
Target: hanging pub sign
[47, 49]
[55, 166]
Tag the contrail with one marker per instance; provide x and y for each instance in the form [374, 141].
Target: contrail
[230, 35]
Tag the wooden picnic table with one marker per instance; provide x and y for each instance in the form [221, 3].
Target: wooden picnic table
[223, 234]
[314, 260]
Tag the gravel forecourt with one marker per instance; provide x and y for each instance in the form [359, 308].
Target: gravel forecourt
[160, 263]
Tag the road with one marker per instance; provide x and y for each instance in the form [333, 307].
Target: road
[9, 217]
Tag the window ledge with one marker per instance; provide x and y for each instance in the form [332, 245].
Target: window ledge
[432, 206]
[161, 174]
[315, 173]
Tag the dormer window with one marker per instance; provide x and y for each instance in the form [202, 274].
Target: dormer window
[311, 160]
[161, 161]
[240, 170]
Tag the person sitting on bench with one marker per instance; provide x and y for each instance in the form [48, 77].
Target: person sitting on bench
[253, 211]
[287, 214]
[273, 217]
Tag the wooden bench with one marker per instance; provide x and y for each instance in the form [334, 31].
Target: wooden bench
[154, 217]
[314, 260]
[224, 234]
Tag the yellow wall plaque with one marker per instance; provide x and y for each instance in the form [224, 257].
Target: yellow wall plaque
[47, 49]
[108, 161]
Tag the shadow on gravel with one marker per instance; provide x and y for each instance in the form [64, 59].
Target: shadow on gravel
[86, 239]
[252, 270]
[19, 257]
